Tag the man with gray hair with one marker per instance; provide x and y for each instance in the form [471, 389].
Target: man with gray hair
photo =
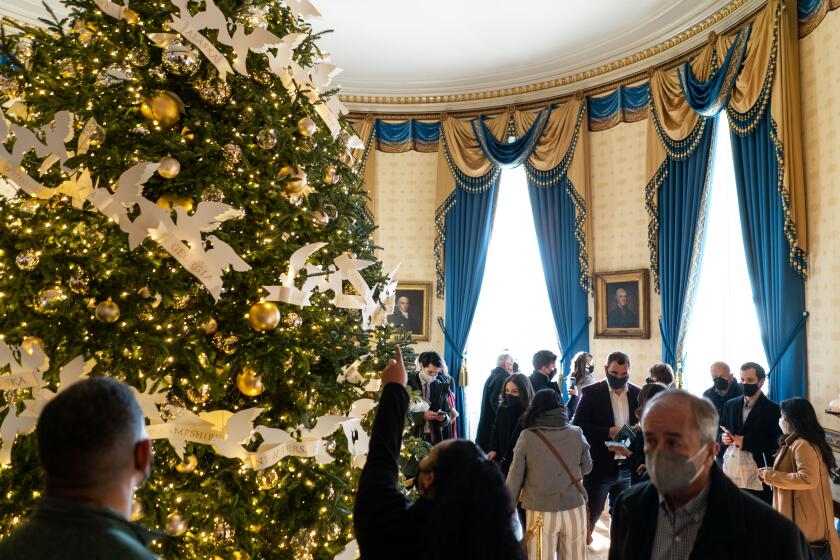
[94, 449]
[490, 399]
[689, 508]
[724, 388]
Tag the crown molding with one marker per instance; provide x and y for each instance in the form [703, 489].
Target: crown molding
[632, 62]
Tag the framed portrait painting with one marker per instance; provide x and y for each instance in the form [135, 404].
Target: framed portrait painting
[413, 309]
[622, 305]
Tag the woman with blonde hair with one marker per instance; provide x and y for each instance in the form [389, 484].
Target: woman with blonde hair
[800, 477]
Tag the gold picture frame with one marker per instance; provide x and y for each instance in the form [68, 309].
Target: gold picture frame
[418, 296]
[622, 304]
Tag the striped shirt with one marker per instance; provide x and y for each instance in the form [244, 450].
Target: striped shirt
[676, 530]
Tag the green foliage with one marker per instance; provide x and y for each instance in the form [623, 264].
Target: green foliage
[297, 508]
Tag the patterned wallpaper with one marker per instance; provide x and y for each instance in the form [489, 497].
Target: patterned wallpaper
[820, 74]
[617, 167]
[405, 209]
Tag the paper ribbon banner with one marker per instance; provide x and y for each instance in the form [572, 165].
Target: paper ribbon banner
[278, 444]
[227, 432]
[111, 8]
[30, 368]
[374, 309]
[350, 552]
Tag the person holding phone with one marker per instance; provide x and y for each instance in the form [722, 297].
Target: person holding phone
[432, 423]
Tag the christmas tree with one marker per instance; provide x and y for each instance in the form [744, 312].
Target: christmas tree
[181, 211]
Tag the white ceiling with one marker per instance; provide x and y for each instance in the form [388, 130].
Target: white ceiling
[440, 47]
[447, 47]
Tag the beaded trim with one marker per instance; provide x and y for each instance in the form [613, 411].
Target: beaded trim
[360, 165]
[580, 235]
[440, 241]
[678, 149]
[545, 179]
[797, 258]
[652, 207]
[469, 184]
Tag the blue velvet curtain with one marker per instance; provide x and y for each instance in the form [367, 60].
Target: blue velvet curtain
[468, 225]
[681, 201]
[554, 205]
[407, 135]
[510, 153]
[778, 289]
[625, 104]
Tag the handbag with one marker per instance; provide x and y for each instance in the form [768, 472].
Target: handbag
[820, 550]
[574, 480]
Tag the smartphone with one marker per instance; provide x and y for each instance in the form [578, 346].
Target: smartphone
[725, 430]
[572, 382]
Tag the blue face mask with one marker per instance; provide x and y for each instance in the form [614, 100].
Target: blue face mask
[617, 382]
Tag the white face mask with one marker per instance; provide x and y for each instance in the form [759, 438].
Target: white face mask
[426, 377]
[785, 426]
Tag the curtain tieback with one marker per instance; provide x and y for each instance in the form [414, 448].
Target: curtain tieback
[463, 374]
[791, 337]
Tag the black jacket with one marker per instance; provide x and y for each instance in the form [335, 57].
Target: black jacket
[736, 526]
[489, 405]
[438, 401]
[539, 381]
[594, 415]
[712, 395]
[505, 433]
[761, 431]
[384, 519]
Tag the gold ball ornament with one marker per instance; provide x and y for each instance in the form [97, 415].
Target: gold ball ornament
[249, 382]
[223, 532]
[264, 316]
[136, 510]
[307, 126]
[181, 60]
[107, 312]
[28, 259]
[213, 194]
[169, 201]
[232, 154]
[188, 465]
[138, 57]
[213, 91]
[9, 87]
[163, 108]
[48, 299]
[330, 175]
[30, 342]
[267, 138]
[130, 16]
[210, 327]
[169, 167]
[97, 136]
[199, 395]
[175, 524]
[225, 342]
[295, 179]
[267, 479]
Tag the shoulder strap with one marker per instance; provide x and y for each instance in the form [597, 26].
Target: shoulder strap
[559, 458]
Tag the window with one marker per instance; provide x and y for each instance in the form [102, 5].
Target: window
[724, 323]
[513, 313]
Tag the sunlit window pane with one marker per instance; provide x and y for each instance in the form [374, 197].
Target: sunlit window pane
[724, 324]
[513, 312]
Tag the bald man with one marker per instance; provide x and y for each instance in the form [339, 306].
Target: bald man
[724, 388]
[689, 508]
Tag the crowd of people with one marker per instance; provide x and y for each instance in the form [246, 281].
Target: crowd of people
[731, 475]
[727, 475]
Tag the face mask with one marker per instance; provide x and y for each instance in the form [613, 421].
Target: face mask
[750, 389]
[590, 368]
[671, 472]
[617, 382]
[649, 380]
[785, 426]
[426, 377]
[552, 373]
[721, 384]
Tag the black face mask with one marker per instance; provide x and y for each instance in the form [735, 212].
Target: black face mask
[750, 389]
[552, 373]
[649, 380]
[590, 368]
[721, 384]
[617, 382]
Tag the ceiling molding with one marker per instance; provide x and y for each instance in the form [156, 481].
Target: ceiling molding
[633, 62]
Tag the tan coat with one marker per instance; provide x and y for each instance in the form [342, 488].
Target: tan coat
[800, 481]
